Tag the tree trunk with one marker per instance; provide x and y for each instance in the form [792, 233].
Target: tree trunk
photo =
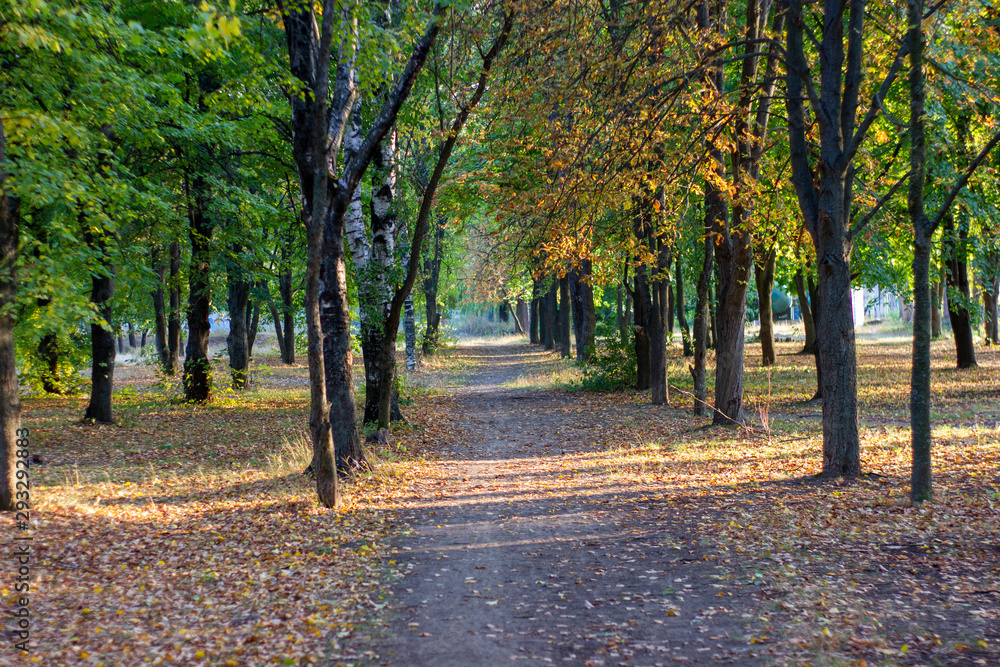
[825, 194]
[133, 342]
[432, 278]
[681, 307]
[102, 342]
[957, 272]
[589, 309]
[160, 306]
[197, 365]
[410, 333]
[522, 316]
[923, 229]
[533, 335]
[809, 347]
[715, 207]
[713, 316]
[576, 297]
[172, 361]
[660, 309]
[237, 340]
[121, 344]
[564, 317]
[549, 316]
[764, 278]
[10, 394]
[937, 296]
[991, 287]
[642, 323]
[253, 325]
[288, 312]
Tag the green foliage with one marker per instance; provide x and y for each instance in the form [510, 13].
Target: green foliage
[613, 362]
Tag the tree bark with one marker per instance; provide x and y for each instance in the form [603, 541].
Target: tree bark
[10, 394]
[923, 229]
[432, 279]
[549, 316]
[172, 361]
[288, 313]
[102, 343]
[197, 365]
[809, 347]
[133, 342]
[641, 310]
[825, 194]
[522, 316]
[564, 317]
[237, 341]
[681, 307]
[534, 313]
[159, 306]
[991, 287]
[957, 274]
[937, 296]
[714, 207]
[764, 279]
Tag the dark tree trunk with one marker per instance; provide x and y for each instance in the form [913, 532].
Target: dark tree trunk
[534, 313]
[713, 315]
[564, 318]
[957, 271]
[809, 347]
[276, 319]
[160, 306]
[253, 325]
[923, 229]
[817, 312]
[937, 296]
[681, 307]
[764, 278]
[102, 342]
[549, 316]
[10, 395]
[585, 322]
[715, 207]
[172, 361]
[503, 312]
[142, 340]
[522, 316]
[237, 341]
[197, 365]
[288, 312]
[121, 344]
[825, 194]
[991, 287]
[335, 317]
[432, 278]
[133, 342]
[660, 309]
[668, 309]
[642, 316]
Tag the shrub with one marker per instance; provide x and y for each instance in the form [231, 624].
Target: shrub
[613, 364]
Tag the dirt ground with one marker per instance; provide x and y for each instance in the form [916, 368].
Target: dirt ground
[507, 563]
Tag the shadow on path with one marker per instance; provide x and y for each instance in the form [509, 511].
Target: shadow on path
[506, 563]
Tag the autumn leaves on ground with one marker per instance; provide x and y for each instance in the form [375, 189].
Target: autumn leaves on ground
[518, 519]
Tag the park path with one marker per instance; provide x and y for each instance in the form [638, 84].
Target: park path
[523, 551]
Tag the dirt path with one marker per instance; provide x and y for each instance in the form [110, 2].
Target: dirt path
[523, 550]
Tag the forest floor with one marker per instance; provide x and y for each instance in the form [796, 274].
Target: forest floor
[517, 518]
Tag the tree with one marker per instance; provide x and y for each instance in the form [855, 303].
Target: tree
[10, 394]
[826, 194]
